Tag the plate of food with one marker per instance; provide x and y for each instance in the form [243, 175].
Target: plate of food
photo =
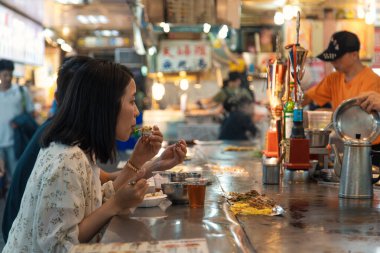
[152, 199]
[253, 203]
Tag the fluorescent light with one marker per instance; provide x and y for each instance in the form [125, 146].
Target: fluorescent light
[206, 27]
[60, 41]
[66, 47]
[279, 18]
[102, 19]
[166, 28]
[92, 19]
[83, 19]
[223, 32]
[48, 33]
[184, 84]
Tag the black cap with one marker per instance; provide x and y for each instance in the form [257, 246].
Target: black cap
[340, 43]
[234, 75]
[6, 65]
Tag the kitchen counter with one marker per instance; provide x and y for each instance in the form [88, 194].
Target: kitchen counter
[316, 219]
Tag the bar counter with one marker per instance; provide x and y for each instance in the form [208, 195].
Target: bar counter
[315, 219]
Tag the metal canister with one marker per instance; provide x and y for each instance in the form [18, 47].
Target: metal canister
[271, 171]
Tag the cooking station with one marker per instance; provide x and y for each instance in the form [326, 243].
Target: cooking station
[315, 218]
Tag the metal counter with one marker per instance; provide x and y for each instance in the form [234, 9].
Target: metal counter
[316, 219]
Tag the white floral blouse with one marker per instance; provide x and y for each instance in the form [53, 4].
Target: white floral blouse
[62, 190]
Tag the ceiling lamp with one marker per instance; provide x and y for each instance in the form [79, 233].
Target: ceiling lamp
[184, 84]
[279, 18]
[206, 27]
[223, 32]
[288, 12]
[158, 91]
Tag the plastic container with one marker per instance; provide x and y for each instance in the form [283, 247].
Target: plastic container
[319, 119]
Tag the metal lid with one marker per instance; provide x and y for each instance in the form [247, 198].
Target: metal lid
[353, 124]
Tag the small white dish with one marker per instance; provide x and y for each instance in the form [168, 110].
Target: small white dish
[152, 201]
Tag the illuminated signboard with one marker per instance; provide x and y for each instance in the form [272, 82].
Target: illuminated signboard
[186, 55]
[21, 40]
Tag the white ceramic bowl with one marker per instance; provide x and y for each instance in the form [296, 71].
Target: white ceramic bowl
[152, 201]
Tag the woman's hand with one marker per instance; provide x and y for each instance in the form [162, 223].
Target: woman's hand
[130, 194]
[147, 147]
[369, 101]
[172, 156]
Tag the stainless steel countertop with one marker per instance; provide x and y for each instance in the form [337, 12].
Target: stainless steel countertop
[316, 219]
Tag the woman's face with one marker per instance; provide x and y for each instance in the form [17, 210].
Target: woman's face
[126, 120]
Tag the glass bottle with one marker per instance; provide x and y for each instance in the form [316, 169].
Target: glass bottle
[289, 111]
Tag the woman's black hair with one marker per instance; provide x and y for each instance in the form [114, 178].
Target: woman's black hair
[88, 113]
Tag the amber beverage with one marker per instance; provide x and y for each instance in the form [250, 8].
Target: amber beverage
[196, 191]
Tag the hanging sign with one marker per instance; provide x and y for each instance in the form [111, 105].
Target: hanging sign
[21, 39]
[183, 55]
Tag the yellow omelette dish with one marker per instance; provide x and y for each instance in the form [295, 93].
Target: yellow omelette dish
[245, 209]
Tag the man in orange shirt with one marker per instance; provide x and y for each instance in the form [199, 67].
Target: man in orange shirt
[351, 77]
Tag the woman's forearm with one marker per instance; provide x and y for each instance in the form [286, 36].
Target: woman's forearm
[92, 224]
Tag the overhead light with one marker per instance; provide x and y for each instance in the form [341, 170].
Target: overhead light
[92, 19]
[206, 27]
[279, 18]
[48, 33]
[223, 32]
[369, 18]
[83, 19]
[152, 50]
[66, 31]
[184, 84]
[158, 91]
[102, 19]
[288, 12]
[66, 47]
[166, 28]
[60, 41]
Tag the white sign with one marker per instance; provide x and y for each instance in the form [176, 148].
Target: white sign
[21, 39]
[186, 55]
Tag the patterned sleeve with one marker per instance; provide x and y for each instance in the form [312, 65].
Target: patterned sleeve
[63, 201]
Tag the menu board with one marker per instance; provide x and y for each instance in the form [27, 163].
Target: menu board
[21, 39]
[183, 55]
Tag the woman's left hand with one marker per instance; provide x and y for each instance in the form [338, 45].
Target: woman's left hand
[172, 156]
[147, 147]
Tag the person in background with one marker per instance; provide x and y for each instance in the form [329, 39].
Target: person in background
[369, 101]
[238, 125]
[230, 88]
[11, 105]
[64, 202]
[351, 77]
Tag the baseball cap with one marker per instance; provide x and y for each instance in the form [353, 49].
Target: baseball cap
[340, 43]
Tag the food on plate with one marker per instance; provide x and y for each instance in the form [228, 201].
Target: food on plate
[251, 203]
[239, 148]
[153, 194]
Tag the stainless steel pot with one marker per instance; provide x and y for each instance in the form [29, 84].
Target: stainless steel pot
[318, 137]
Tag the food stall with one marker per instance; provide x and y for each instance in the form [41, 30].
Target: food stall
[314, 219]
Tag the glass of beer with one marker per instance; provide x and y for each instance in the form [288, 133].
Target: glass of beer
[196, 190]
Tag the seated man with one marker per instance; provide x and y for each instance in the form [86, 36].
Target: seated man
[238, 125]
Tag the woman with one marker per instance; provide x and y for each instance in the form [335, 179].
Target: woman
[64, 203]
